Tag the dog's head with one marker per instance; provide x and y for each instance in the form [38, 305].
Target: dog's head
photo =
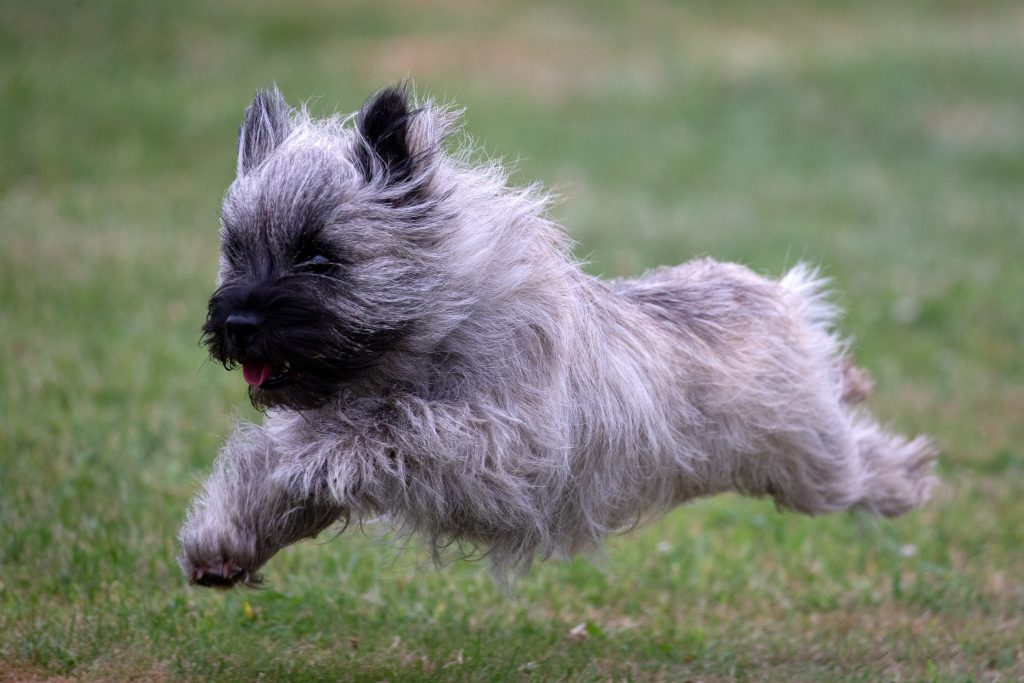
[326, 264]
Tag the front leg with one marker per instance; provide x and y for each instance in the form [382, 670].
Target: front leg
[456, 474]
[244, 514]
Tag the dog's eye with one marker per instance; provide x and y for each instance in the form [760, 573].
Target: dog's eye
[316, 264]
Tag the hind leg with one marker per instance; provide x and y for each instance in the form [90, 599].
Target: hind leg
[850, 463]
[826, 456]
[815, 469]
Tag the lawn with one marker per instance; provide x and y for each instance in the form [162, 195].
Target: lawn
[883, 141]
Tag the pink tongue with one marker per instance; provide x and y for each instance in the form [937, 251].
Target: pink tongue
[256, 373]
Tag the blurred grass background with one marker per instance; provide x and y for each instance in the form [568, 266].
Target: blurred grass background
[883, 141]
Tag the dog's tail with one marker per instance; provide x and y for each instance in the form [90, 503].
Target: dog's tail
[808, 292]
[899, 474]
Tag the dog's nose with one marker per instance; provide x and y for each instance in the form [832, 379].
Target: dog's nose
[242, 326]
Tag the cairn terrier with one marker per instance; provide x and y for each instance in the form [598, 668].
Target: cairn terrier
[427, 351]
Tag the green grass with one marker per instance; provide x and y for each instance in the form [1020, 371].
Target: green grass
[883, 141]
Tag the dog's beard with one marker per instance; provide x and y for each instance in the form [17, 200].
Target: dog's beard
[302, 353]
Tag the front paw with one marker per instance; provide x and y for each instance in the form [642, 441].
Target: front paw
[217, 556]
[225, 576]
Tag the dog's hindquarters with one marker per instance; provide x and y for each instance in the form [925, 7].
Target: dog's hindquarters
[761, 363]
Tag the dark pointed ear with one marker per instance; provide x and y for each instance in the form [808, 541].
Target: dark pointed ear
[267, 123]
[383, 128]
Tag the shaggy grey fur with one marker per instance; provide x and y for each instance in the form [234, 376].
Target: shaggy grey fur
[428, 351]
